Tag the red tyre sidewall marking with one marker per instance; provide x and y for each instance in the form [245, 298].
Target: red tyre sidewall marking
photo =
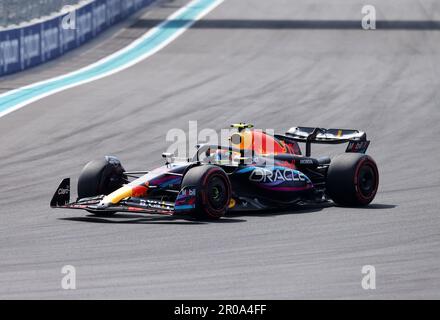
[211, 211]
[366, 161]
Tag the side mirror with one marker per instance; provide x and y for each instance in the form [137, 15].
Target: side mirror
[168, 157]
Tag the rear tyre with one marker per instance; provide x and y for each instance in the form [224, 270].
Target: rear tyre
[213, 191]
[101, 177]
[352, 179]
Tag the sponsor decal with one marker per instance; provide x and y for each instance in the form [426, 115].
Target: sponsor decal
[84, 25]
[186, 200]
[49, 41]
[10, 49]
[357, 146]
[113, 10]
[187, 192]
[306, 161]
[265, 175]
[99, 16]
[63, 191]
[30, 48]
[67, 39]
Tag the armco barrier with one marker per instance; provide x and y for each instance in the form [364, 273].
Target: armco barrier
[25, 47]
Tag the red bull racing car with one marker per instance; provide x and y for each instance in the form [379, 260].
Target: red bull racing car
[256, 171]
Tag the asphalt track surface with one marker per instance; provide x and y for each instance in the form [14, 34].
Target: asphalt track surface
[277, 64]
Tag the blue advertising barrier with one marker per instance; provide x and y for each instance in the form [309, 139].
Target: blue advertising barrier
[25, 47]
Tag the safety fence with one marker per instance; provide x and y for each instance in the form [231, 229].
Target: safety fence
[28, 45]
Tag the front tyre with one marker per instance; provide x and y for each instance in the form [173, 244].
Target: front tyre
[101, 177]
[352, 179]
[213, 191]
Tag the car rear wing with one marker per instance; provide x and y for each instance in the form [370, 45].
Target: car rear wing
[357, 140]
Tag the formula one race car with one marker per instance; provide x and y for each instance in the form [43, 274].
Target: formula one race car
[256, 171]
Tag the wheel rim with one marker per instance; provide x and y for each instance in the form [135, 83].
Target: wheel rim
[217, 193]
[367, 181]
